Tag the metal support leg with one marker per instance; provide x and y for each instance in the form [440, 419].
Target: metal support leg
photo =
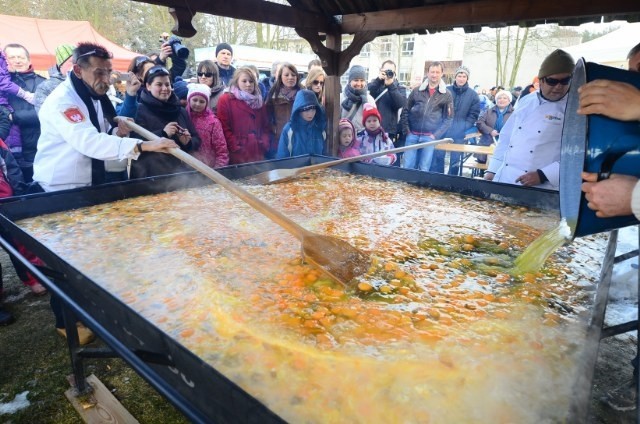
[579, 408]
[77, 361]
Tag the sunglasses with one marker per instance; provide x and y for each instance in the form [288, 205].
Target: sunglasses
[554, 81]
[155, 70]
[316, 82]
[205, 74]
[140, 60]
[97, 52]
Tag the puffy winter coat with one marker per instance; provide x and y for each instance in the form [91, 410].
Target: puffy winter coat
[300, 137]
[154, 115]
[246, 130]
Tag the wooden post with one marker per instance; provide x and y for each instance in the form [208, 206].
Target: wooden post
[335, 63]
[332, 93]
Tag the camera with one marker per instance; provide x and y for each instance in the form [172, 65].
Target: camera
[389, 73]
[176, 46]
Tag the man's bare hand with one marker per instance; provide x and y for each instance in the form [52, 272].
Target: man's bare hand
[159, 145]
[610, 197]
[529, 179]
[123, 128]
[614, 99]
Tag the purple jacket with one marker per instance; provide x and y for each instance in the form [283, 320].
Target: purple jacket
[7, 87]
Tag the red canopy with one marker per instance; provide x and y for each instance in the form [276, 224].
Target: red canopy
[42, 36]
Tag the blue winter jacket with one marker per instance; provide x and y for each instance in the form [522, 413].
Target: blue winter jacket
[300, 137]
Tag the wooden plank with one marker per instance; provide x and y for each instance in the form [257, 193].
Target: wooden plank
[255, 11]
[482, 12]
[475, 165]
[100, 406]
[465, 148]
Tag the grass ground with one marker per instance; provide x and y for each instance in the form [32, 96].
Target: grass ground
[34, 358]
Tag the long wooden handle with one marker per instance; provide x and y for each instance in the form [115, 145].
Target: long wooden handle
[274, 215]
[372, 155]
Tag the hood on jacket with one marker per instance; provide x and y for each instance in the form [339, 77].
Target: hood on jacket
[305, 98]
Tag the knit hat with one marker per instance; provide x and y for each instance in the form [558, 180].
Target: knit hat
[180, 88]
[344, 123]
[223, 46]
[199, 89]
[357, 72]
[370, 110]
[464, 70]
[63, 53]
[504, 93]
[558, 62]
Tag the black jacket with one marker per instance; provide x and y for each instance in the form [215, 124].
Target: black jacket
[389, 104]
[154, 115]
[25, 115]
[466, 109]
[5, 122]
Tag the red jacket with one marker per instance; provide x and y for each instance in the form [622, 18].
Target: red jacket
[246, 130]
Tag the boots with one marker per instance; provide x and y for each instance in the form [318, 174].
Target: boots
[6, 317]
[85, 335]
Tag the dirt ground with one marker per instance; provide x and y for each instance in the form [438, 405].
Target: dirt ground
[34, 358]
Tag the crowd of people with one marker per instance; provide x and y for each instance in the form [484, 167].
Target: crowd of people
[60, 133]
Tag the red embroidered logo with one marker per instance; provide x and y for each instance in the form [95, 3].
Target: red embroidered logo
[74, 115]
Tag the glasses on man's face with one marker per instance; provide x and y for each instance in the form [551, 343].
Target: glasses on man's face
[101, 53]
[316, 82]
[554, 81]
[205, 74]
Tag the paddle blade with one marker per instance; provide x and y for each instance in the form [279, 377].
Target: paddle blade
[336, 257]
[274, 176]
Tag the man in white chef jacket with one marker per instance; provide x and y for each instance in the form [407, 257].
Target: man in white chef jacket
[528, 152]
[78, 133]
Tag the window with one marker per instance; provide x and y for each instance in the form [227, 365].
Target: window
[385, 47]
[404, 77]
[407, 46]
[366, 50]
[345, 44]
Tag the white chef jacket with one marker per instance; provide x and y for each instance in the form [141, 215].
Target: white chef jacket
[68, 140]
[531, 140]
[635, 200]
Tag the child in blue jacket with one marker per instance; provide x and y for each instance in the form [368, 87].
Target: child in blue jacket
[305, 133]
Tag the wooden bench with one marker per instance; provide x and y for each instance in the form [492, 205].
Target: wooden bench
[467, 151]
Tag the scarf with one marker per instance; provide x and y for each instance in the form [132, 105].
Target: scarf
[500, 118]
[254, 102]
[168, 111]
[87, 96]
[370, 146]
[288, 93]
[353, 98]
[218, 88]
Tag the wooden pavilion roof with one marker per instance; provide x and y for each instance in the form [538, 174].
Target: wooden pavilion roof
[322, 22]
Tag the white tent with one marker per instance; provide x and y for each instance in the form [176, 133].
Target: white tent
[611, 49]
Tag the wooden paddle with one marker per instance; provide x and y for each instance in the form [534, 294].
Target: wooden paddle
[280, 175]
[336, 257]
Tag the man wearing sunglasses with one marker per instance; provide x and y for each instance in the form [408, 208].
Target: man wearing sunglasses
[528, 152]
[79, 136]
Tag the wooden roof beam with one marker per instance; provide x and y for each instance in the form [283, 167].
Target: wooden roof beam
[255, 11]
[482, 12]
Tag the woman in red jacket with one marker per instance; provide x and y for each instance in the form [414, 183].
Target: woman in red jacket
[244, 119]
